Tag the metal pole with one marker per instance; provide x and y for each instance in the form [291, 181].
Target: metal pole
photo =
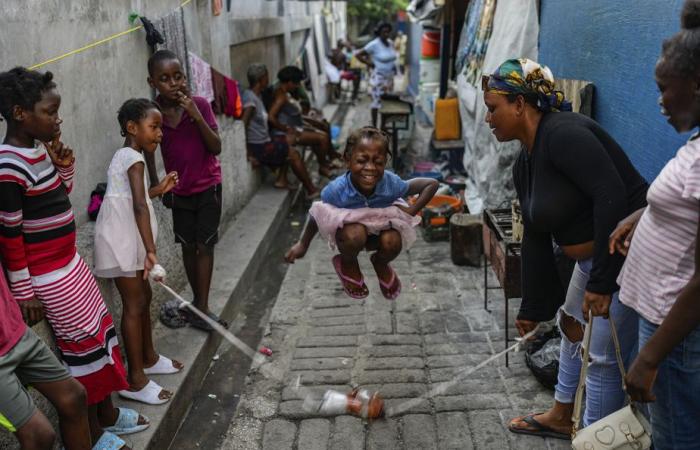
[444, 59]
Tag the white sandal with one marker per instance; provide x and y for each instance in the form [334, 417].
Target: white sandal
[149, 394]
[164, 366]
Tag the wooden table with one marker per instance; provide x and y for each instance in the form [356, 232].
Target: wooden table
[504, 255]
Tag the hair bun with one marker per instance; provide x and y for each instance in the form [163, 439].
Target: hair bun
[690, 15]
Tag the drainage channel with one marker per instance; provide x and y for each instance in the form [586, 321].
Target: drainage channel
[214, 405]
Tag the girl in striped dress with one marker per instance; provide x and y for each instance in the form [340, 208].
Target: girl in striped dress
[37, 246]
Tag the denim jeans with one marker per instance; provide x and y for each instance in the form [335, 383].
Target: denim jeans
[675, 415]
[604, 394]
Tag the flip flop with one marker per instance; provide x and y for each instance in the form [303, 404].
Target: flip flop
[392, 289]
[164, 366]
[538, 429]
[148, 394]
[109, 441]
[346, 279]
[197, 322]
[127, 422]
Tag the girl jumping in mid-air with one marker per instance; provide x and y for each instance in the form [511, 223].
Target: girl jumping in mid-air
[125, 249]
[364, 209]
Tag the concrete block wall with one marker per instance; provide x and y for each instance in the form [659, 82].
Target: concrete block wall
[93, 85]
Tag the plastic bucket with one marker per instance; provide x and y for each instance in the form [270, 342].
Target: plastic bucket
[430, 44]
[429, 71]
[439, 209]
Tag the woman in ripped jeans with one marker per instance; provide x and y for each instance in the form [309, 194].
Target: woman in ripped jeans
[575, 184]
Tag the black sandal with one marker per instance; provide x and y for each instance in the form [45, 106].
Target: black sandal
[197, 322]
[537, 428]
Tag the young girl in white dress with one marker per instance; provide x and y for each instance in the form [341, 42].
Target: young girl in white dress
[125, 249]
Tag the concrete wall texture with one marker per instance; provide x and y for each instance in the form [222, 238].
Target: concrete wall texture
[615, 45]
[93, 85]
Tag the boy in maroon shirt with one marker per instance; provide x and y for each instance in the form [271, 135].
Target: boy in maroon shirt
[25, 359]
[189, 147]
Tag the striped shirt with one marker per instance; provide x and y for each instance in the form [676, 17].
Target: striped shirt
[661, 260]
[37, 231]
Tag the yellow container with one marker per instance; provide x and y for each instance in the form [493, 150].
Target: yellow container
[447, 122]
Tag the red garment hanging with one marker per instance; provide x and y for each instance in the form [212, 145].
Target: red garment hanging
[227, 98]
[234, 106]
[217, 6]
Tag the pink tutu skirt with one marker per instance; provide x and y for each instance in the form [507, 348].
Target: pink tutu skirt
[330, 219]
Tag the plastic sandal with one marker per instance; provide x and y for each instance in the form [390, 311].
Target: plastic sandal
[537, 429]
[392, 289]
[345, 279]
[164, 366]
[128, 422]
[148, 394]
[109, 441]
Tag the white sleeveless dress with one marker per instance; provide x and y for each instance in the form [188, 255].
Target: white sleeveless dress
[119, 249]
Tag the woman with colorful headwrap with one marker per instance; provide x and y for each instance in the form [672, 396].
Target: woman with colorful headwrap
[575, 184]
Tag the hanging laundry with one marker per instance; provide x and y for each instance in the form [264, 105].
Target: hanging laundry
[219, 85]
[200, 73]
[475, 37]
[172, 28]
[227, 98]
[234, 106]
[217, 6]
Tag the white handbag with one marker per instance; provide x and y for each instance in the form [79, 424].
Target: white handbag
[626, 428]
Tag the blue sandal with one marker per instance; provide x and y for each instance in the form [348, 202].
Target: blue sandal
[127, 422]
[109, 441]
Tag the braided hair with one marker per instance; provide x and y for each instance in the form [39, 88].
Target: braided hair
[366, 133]
[23, 88]
[134, 110]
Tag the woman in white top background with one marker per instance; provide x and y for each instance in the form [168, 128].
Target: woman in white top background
[380, 56]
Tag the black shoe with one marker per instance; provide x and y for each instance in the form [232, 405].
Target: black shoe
[171, 315]
[196, 321]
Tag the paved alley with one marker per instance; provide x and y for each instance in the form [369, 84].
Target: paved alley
[402, 348]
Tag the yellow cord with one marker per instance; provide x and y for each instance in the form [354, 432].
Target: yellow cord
[94, 44]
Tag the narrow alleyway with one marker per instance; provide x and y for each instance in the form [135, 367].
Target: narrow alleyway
[401, 349]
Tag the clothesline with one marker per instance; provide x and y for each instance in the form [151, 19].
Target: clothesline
[96, 43]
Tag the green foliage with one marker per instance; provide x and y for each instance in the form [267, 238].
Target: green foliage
[375, 9]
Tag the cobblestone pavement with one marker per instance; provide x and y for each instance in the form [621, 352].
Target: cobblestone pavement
[436, 327]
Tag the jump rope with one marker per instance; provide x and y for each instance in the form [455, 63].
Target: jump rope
[313, 397]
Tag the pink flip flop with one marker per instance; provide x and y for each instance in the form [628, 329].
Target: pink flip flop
[392, 289]
[346, 279]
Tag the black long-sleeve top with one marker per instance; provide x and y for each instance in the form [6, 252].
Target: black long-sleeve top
[575, 186]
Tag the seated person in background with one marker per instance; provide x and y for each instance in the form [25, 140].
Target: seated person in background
[262, 149]
[315, 122]
[286, 118]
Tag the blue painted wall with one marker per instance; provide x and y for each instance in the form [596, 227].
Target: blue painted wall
[615, 44]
